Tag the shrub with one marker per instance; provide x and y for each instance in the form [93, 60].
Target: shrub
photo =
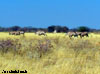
[80, 45]
[9, 45]
[43, 47]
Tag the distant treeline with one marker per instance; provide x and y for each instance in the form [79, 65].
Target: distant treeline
[51, 29]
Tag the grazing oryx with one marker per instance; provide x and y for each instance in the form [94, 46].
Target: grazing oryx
[14, 33]
[84, 34]
[41, 33]
[11, 33]
[78, 33]
[72, 34]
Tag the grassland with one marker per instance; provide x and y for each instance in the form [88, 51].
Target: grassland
[64, 56]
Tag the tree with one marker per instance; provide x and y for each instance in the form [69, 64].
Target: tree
[51, 28]
[15, 28]
[83, 29]
[57, 28]
[65, 29]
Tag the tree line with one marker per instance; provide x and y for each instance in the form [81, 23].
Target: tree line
[50, 29]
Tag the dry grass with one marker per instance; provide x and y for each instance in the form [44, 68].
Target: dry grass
[54, 54]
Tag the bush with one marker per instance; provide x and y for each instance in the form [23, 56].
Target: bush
[43, 47]
[9, 45]
[81, 44]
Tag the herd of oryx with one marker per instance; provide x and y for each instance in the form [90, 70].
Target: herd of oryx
[76, 34]
[70, 34]
[16, 33]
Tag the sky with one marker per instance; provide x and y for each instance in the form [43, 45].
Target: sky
[43, 13]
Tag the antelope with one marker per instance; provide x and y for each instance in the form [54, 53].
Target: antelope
[84, 34]
[79, 33]
[72, 34]
[41, 33]
[14, 33]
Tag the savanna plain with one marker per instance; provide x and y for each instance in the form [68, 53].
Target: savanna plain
[51, 54]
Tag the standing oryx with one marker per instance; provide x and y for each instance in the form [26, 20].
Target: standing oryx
[76, 34]
[72, 34]
[84, 34]
[16, 33]
[41, 33]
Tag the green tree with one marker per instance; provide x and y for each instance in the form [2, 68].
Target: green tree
[83, 29]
